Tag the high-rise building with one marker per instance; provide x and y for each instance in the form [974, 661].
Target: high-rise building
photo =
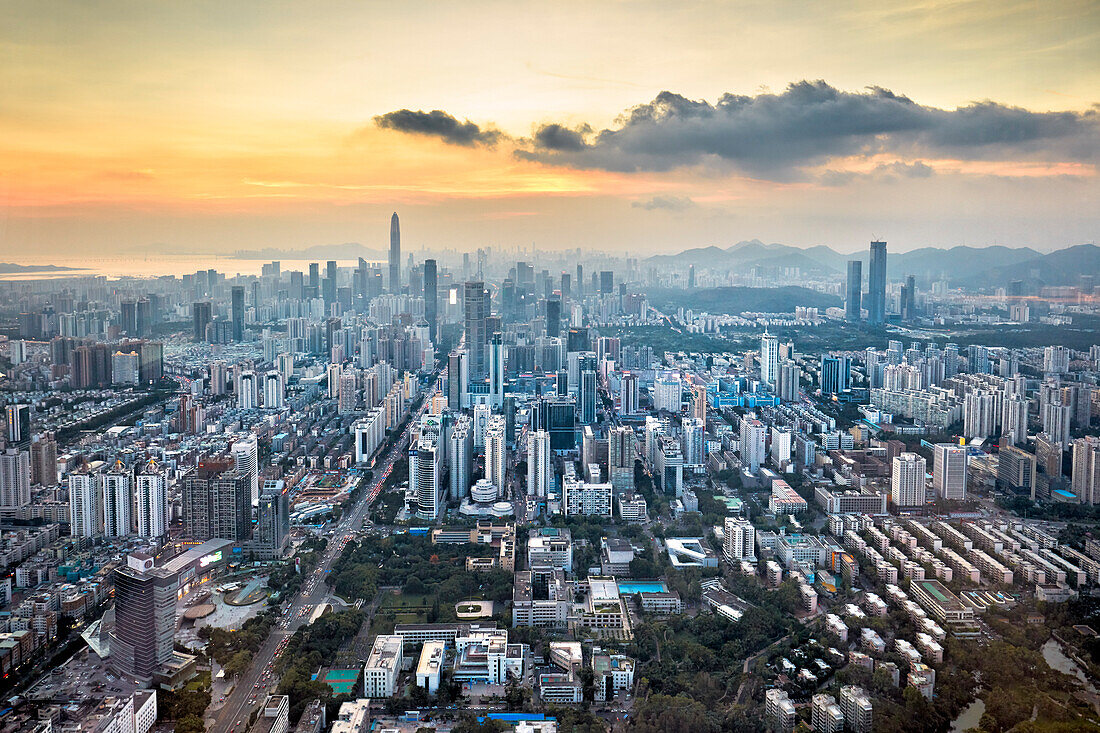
[85, 505]
[217, 503]
[272, 535]
[753, 439]
[876, 284]
[201, 316]
[496, 370]
[857, 708]
[15, 479]
[431, 298]
[836, 374]
[495, 453]
[788, 383]
[587, 397]
[1085, 479]
[460, 455]
[667, 393]
[274, 389]
[476, 304]
[18, 423]
[1016, 471]
[854, 290]
[949, 468]
[425, 477]
[739, 540]
[44, 460]
[539, 473]
[553, 317]
[143, 636]
[693, 441]
[246, 462]
[620, 458]
[237, 312]
[628, 394]
[395, 254]
[1014, 420]
[116, 502]
[907, 480]
[1056, 421]
[769, 358]
[151, 503]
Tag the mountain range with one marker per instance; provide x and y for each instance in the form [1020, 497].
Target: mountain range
[346, 251]
[992, 266]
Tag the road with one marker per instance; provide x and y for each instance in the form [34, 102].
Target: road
[249, 692]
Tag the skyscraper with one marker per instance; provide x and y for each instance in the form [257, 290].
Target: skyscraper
[495, 453]
[477, 310]
[15, 478]
[853, 302]
[496, 370]
[145, 616]
[395, 254]
[151, 502]
[553, 317]
[538, 463]
[769, 358]
[431, 297]
[238, 312]
[907, 480]
[949, 471]
[876, 284]
[200, 317]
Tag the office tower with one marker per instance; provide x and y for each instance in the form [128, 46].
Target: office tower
[328, 285]
[496, 370]
[1085, 479]
[18, 424]
[553, 317]
[539, 477]
[691, 277]
[787, 384]
[1056, 421]
[876, 284]
[477, 310]
[1014, 420]
[628, 394]
[907, 480]
[909, 298]
[457, 366]
[425, 477]
[667, 393]
[620, 458]
[670, 466]
[431, 298]
[116, 503]
[949, 471]
[314, 279]
[143, 636]
[699, 401]
[1016, 470]
[128, 317]
[495, 453]
[85, 505]
[607, 282]
[246, 462]
[200, 319]
[460, 455]
[248, 390]
[44, 460]
[739, 540]
[395, 254]
[753, 439]
[219, 373]
[692, 441]
[274, 389]
[769, 358]
[272, 535]
[217, 503]
[151, 503]
[587, 397]
[853, 302]
[237, 312]
[581, 498]
[836, 374]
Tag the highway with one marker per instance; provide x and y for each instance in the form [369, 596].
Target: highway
[261, 678]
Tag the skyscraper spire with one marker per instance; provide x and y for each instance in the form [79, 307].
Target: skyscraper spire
[395, 254]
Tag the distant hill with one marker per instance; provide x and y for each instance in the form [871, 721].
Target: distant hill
[8, 268]
[346, 251]
[974, 266]
[734, 300]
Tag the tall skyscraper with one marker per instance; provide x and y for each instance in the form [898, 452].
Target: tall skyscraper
[496, 370]
[495, 453]
[477, 310]
[85, 505]
[876, 284]
[395, 254]
[1085, 479]
[553, 317]
[200, 317]
[15, 479]
[587, 397]
[539, 475]
[459, 455]
[238, 312]
[145, 617]
[425, 477]
[853, 302]
[431, 297]
[907, 480]
[769, 358]
[116, 503]
[949, 471]
[151, 501]
[246, 461]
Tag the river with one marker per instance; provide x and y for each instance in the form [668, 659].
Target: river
[970, 717]
[1057, 659]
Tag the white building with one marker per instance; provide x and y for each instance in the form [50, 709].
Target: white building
[667, 393]
[151, 504]
[495, 452]
[116, 503]
[539, 471]
[85, 505]
[949, 471]
[907, 480]
[739, 540]
[383, 666]
[769, 358]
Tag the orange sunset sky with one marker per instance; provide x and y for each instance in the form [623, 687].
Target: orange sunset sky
[205, 127]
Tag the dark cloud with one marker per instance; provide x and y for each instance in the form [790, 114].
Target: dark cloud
[777, 135]
[560, 138]
[883, 172]
[438, 123]
[665, 203]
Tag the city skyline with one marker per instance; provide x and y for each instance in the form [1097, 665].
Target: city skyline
[210, 129]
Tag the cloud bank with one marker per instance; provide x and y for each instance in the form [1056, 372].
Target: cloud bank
[778, 136]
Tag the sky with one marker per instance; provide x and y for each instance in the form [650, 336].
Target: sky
[631, 127]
